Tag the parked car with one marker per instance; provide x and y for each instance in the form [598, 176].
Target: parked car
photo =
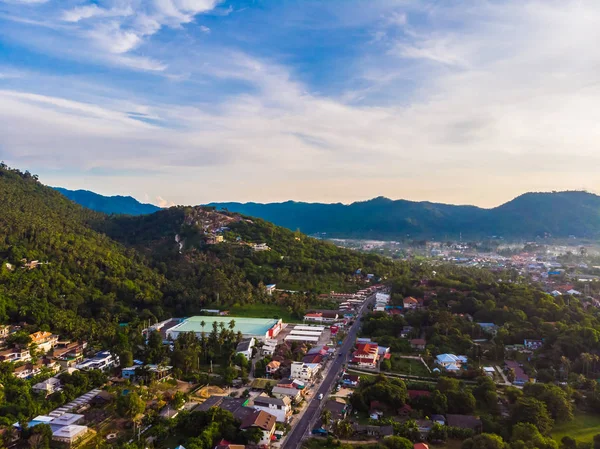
[320, 396]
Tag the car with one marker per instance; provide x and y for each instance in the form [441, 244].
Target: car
[340, 354]
[320, 396]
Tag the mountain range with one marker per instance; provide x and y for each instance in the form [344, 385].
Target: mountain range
[531, 215]
[108, 204]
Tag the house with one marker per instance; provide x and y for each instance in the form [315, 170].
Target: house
[465, 422]
[48, 386]
[15, 355]
[338, 409]
[451, 362]
[366, 355]
[410, 303]
[270, 289]
[488, 328]
[520, 377]
[43, 341]
[322, 316]
[405, 411]
[406, 331]
[103, 361]
[245, 347]
[293, 393]
[69, 434]
[260, 247]
[373, 431]
[420, 446]
[273, 366]
[4, 333]
[424, 426]
[438, 419]
[418, 344]
[281, 408]
[304, 371]
[350, 381]
[312, 358]
[68, 354]
[269, 347]
[263, 421]
[533, 345]
[224, 444]
[26, 371]
[291, 383]
[413, 394]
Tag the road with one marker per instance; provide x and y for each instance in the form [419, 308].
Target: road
[294, 439]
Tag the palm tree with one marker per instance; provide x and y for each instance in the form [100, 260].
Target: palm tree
[343, 429]
[325, 417]
[232, 325]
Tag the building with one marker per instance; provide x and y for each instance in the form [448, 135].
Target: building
[465, 422]
[322, 316]
[64, 427]
[224, 444]
[29, 370]
[265, 422]
[451, 362]
[258, 328]
[273, 366]
[4, 333]
[489, 328]
[103, 361]
[146, 372]
[410, 303]
[294, 394]
[48, 386]
[520, 377]
[260, 247]
[245, 347]
[269, 347]
[366, 355]
[68, 354]
[15, 355]
[533, 345]
[270, 289]
[338, 409]
[418, 344]
[281, 408]
[305, 372]
[350, 381]
[43, 341]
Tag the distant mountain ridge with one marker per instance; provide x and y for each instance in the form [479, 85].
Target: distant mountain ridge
[125, 205]
[556, 214]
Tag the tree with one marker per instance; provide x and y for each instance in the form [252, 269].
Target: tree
[326, 417]
[395, 442]
[178, 400]
[530, 410]
[528, 436]
[343, 429]
[484, 441]
[438, 432]
[130, 405]
[386, 365]
[126, 358]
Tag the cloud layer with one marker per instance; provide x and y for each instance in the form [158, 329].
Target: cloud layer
[203, 101]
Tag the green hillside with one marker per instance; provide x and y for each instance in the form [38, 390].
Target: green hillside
[96, 270]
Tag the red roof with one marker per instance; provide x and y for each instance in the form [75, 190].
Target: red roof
[366, 349]
[418, 393]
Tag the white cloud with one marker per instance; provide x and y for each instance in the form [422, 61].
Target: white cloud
[204, 29]
[161, 202]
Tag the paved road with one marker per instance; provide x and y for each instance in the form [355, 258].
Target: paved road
[294, 439]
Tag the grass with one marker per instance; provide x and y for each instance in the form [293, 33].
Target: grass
[582, 428]
[409, 366]
[263, 311]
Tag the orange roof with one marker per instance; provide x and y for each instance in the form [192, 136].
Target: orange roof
[420, 446]
[410, 300]
[314, 315]
[40, 336]
[274, 364]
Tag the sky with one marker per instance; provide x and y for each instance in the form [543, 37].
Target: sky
[195, 101]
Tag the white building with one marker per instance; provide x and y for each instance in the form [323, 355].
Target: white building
[245, 347]
[280, 408]
[269, 346]
[48, 387]
[103, 361]
[305, 372]
[451, 362]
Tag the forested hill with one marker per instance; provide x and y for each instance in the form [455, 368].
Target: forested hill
[557, 214]
[108, 204]
[79, 272]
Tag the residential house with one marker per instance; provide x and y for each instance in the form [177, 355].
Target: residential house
[224, 444]
[69, 434]
[489, 328]
[272, 367]
[451, 362]
[465, 422]
[424, 426]
[438, 419]
[245, 347]
[293, 393]
[338, 409]
[265, 422]
[68, 354]
[420, 446]
[405, 411]
[373, 431]
[520, 377]
[533, 345]
[269, 347]
[410, 303]
[418, 344]
[29, 370]
[15, 355]
[260, 247]
[350, 381]
[103, 361]
[4, 333]
[281, 408]
[406, 331]
[305, 372]
[270, 289]
[48, 386]
[43, 341]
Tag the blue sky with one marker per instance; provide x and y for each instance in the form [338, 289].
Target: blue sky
[191, 101]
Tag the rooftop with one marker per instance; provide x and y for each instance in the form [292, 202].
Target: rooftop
[247, 326]
[260, 419]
